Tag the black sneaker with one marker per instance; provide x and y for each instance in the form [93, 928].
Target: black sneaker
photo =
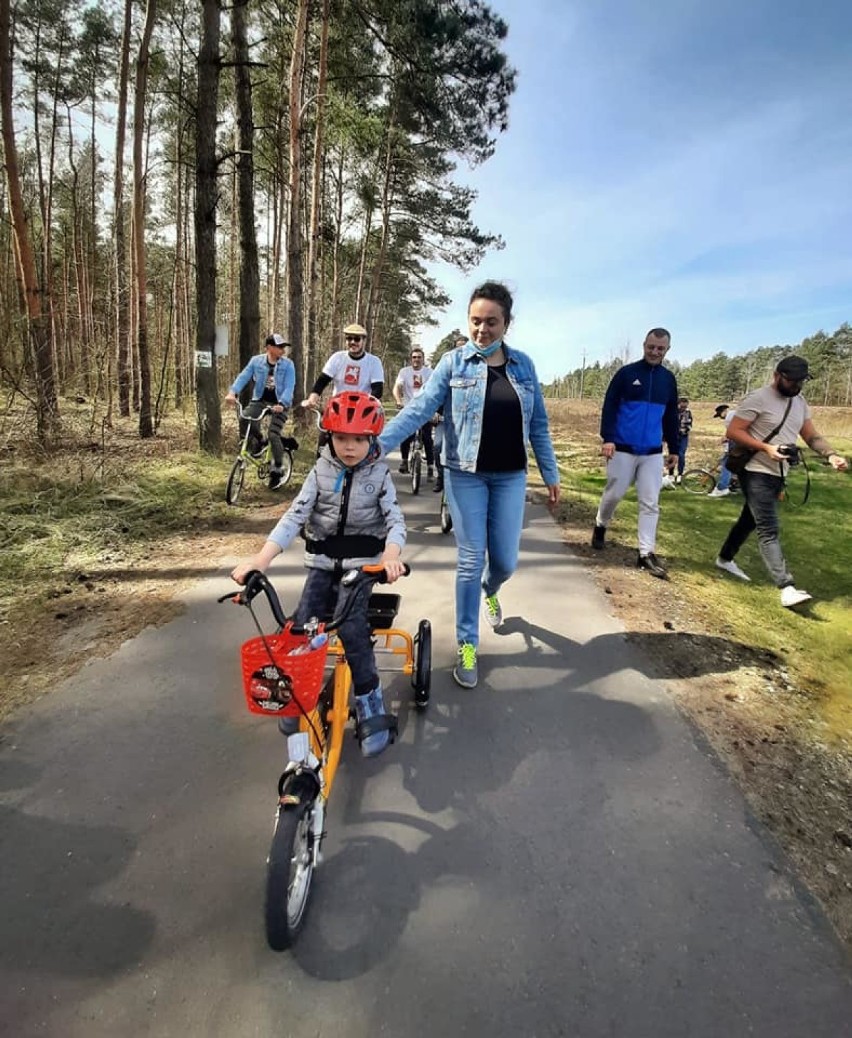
[652, 564]
[274, 480]
[403, 468]
[438, 488]
[430, 472]
[598, 535]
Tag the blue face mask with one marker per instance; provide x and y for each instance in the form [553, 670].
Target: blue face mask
[489, 350]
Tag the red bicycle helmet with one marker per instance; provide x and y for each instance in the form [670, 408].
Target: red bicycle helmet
[357, 413]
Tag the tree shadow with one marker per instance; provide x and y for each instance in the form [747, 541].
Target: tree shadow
[666, 654]
[52, 923]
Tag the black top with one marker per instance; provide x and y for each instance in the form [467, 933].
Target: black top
[501, 448]
[269, 396]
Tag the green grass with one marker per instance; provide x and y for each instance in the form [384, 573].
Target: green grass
[53, 514]
[816, 643]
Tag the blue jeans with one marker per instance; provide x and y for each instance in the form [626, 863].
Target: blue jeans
[682, 444]
[724, 476]
[488, 516]
[322, 597]
[760, 512]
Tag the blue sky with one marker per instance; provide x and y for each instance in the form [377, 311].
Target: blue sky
[669, 162]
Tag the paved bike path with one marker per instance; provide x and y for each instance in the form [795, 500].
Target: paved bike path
[553, 853]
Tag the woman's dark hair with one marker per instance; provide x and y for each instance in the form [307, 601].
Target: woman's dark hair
[494, 292]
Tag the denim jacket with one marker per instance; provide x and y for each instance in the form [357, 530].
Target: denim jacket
[458, 383]
[285, 378]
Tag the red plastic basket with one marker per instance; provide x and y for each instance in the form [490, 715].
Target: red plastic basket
[278, 685]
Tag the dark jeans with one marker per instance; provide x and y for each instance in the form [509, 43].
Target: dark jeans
[323, 597]
[760, 512]
[428, 449]
[276, 424]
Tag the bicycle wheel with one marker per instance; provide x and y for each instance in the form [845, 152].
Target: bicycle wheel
[416, 472]
[446, 517]
[286, 468]
[698, 481]
[289, 870]
[235, 481]
[421, 679]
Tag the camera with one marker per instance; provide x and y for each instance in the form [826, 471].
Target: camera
[790, 453]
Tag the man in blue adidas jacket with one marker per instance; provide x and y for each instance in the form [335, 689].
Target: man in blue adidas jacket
[639, 412]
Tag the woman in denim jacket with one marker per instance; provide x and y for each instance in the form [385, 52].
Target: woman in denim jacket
[493, 408]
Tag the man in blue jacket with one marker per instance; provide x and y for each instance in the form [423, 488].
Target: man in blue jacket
[639, 412]
[274, 378]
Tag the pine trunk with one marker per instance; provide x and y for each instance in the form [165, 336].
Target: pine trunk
[207, 396]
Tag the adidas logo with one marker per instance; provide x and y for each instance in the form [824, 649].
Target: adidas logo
[636, 382]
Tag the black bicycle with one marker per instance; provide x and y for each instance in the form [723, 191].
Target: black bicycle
[415, 463]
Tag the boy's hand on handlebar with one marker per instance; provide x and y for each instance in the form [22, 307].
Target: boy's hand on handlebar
[242, 569]
[394, 566]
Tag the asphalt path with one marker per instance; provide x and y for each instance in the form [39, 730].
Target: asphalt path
[553, 853]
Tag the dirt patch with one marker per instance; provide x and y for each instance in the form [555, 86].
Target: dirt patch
[751, 712]
[93, 611]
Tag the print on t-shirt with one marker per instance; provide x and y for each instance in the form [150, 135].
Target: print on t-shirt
[352, 374]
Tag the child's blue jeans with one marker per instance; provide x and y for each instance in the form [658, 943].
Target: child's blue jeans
[323, 597]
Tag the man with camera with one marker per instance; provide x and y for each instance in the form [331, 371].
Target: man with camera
[767, 424]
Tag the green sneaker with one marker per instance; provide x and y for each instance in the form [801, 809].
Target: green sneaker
[493, 612]
[465, 671]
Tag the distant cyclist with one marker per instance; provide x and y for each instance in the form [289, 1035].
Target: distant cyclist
[460, 340]
[274, 379]
[409, 384]
[352, 369]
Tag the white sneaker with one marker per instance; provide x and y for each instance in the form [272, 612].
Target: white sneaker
[716, 492]
[791, 596]
[668, 483]
[732, 568]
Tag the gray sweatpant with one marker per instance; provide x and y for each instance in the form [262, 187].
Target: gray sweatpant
[646, 471]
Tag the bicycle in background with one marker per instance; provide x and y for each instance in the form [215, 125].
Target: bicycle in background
[704, 480]
[446, 515]
[283, 678]
[415, 462]
[259, 458]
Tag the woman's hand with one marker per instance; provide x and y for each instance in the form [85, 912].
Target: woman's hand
[553, 494]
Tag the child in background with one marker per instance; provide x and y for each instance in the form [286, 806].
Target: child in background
[348, 508]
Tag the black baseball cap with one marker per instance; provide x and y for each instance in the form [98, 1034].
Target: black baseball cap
[793, 368]
[719, 409]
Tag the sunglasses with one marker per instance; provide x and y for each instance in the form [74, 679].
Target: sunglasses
[793, 381]
[354, 338]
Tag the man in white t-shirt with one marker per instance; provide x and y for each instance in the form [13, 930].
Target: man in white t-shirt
[409, 384]
[352, 369]
[768, 422]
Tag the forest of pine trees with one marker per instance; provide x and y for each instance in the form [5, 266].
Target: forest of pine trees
[728, 379]
[172, 167]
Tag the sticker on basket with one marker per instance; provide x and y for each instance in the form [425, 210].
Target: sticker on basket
[271, 689]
